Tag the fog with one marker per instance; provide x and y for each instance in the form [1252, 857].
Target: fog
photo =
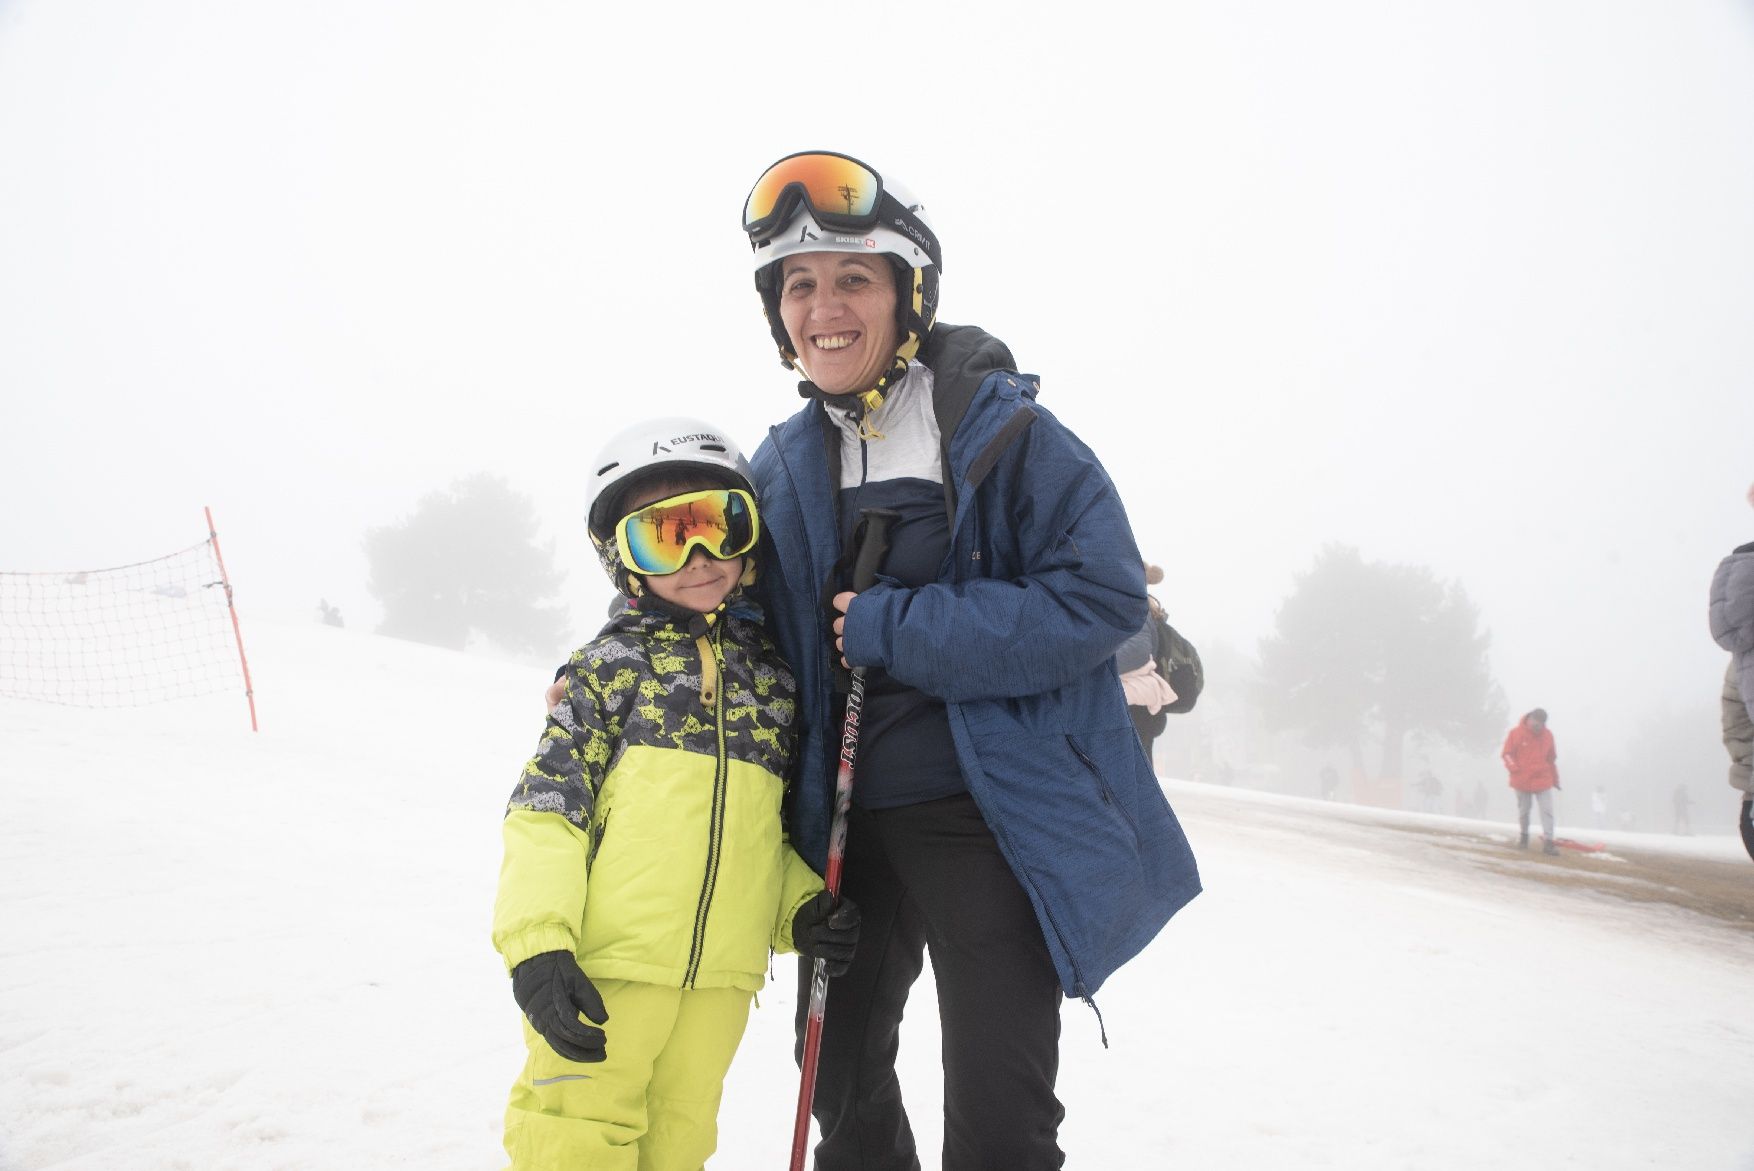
[1462, 285]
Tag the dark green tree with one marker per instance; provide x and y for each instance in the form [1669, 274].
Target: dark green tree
[468, 559]
[1369, 652]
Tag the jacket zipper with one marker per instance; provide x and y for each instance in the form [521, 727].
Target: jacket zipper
[716, 832]
[1079, 988]
[597, 840]
[819, 711]
[1101, 785]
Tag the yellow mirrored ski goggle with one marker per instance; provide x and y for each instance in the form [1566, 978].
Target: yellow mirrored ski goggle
[840, 191]
[658, 538]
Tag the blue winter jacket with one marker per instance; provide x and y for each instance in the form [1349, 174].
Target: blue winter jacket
[1041, 584]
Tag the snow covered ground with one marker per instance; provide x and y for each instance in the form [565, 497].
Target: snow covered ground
[221, 949]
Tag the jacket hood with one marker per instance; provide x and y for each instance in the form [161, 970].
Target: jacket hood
[957, 349]
[1732, 602]
[960, 357]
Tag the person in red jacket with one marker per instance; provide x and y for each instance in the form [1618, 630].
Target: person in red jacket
[1528, 754]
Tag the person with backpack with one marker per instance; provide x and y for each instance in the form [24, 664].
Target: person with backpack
[1160, 671]
[1145, 686]
[1005, 819]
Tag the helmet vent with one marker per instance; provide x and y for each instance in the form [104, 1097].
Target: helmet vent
[712, 447]
[608, 467]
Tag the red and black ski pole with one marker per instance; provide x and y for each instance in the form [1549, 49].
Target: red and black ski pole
[873, 542]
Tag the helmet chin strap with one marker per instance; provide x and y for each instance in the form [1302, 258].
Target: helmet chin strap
[872, 400]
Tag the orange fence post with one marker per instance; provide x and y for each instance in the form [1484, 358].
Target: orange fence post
[237, 631]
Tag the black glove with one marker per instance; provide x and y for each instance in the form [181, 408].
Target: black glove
[828, 932]
[553, 991]
[1746, 823]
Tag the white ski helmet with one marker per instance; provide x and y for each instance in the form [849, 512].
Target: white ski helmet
[898, 227]
[675, 447]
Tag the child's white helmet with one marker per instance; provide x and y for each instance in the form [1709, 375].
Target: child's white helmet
[676, 446]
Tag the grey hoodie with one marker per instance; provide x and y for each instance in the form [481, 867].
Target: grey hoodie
[1732, 625]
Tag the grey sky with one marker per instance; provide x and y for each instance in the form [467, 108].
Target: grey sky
[1467, 285]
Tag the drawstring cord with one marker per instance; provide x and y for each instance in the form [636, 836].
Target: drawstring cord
[1091, 1001]
[872, 399]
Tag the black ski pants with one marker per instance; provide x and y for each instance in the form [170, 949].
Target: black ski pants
[930, 877]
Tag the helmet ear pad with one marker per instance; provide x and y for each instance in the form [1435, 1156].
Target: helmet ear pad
[904, 286]
[767, 283]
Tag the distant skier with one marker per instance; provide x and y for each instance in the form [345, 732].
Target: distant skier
[1530, 758]
[1477, 807]
[1430, 792]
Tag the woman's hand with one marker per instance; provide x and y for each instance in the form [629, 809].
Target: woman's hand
[555, 693]
[841, 601]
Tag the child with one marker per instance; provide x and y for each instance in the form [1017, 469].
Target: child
[646, 874]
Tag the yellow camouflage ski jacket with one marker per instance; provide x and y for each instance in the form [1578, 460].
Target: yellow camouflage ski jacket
[645, 833]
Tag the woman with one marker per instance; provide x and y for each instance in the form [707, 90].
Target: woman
[1004, 817]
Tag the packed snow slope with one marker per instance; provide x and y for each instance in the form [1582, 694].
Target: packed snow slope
[269, 951]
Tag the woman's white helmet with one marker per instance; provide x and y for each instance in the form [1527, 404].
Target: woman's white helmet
[902, 230]
[677, 447]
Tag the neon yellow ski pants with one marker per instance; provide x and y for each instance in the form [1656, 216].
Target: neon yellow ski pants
[652, 1106]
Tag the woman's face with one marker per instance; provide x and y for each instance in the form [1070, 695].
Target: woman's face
[839, 311]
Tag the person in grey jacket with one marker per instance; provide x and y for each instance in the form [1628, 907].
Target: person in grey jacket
[1732, 625]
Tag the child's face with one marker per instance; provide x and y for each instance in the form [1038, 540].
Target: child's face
[700, 585]
[704, 581]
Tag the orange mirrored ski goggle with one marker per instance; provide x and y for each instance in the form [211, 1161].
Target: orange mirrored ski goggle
[658, 538]
[841, 192]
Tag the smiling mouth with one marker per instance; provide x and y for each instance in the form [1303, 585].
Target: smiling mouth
[835, 341]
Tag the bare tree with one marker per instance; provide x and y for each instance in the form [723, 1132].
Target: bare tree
[468, 560]
[1368, 651]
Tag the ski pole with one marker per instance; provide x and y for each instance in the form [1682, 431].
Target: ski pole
[873, 543]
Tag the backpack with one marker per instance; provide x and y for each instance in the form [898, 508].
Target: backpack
[1179, 662]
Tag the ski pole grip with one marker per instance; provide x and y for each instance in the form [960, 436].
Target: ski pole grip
[873, 544]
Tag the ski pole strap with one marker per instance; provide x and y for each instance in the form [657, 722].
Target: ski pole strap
[871, 540]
